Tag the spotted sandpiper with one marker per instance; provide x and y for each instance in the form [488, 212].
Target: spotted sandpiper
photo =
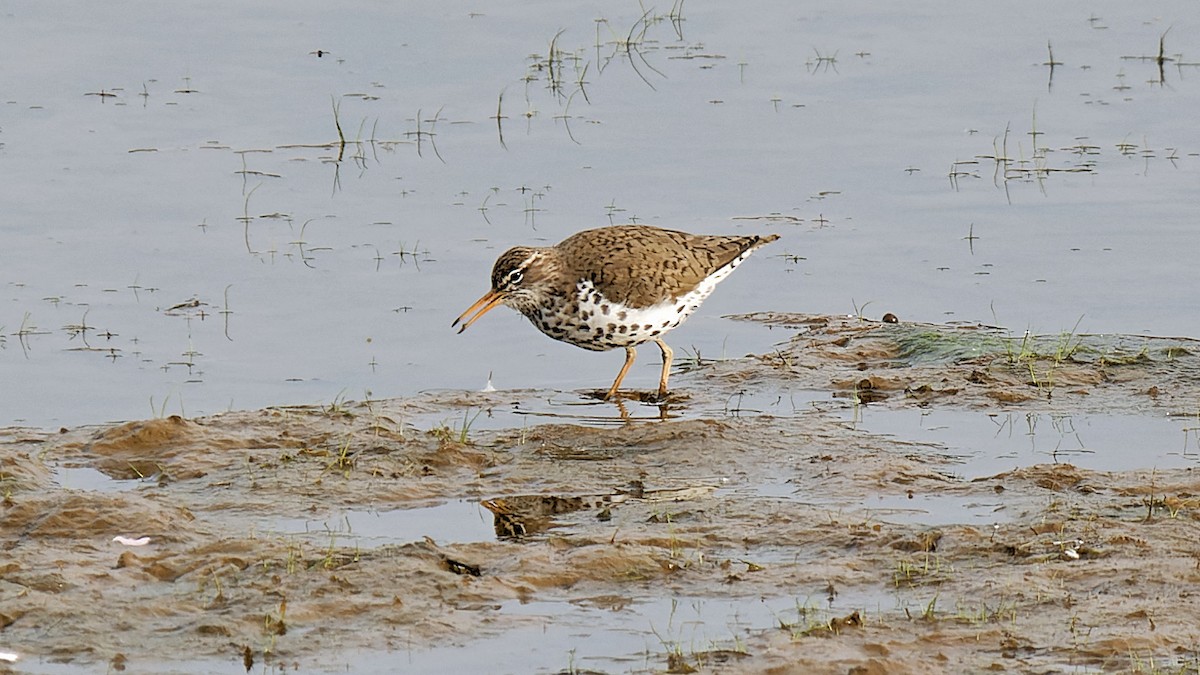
[615, 286]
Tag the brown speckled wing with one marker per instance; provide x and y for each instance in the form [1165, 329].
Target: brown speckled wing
[640, 266]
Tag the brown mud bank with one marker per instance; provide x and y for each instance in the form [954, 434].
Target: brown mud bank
[466, 531]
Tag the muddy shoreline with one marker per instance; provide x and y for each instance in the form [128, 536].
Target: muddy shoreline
[594, 519]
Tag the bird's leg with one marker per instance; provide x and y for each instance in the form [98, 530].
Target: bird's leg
[666, 371]
[630, 355]
[623, 411]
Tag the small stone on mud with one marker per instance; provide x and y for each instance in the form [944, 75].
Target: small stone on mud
[853, 620]
[461, 568]
[925, 542]
[979, 377]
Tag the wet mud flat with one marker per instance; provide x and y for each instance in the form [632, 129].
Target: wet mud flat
[489, 532]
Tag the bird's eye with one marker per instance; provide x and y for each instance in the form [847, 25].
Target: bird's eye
[515, 277]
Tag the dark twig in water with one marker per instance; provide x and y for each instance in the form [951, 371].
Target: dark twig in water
[337, 123]
[420, 134]
[1051, 63]
[566, 117]
[432, 124]
[555, 80]
[580, 82]
[631, 48]
[500, 116]
[226, 312]
[246, 219]
[1160, 59]
[676, 17]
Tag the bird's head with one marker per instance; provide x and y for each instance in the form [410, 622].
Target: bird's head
[521, 278]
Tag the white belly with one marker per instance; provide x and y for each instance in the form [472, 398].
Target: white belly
[599, 324]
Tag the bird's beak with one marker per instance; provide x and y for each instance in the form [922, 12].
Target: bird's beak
[487, 303]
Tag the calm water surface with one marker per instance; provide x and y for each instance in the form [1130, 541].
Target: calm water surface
[180, 234]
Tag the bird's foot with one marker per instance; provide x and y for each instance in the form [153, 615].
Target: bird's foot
[648, 397]
[660, 396]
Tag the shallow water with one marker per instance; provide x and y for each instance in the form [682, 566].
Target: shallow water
[87, 478]
[457, 521]
[985, 444]
[197, 163]
[624, 635]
